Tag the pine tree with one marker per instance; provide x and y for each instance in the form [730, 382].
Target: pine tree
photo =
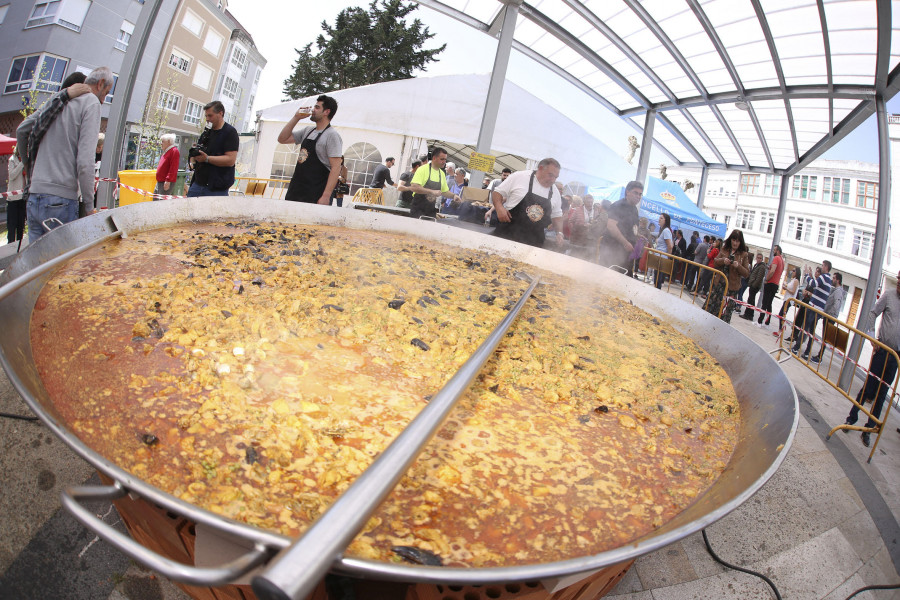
[362, 47]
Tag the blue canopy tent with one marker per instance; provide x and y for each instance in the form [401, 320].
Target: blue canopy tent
[666, 197]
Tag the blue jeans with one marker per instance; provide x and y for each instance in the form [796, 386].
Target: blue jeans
[196, 190]
[47, 206]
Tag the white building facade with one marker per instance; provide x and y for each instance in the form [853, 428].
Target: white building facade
[830, 215]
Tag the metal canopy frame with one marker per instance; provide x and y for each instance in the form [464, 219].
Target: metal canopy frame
[786, 129]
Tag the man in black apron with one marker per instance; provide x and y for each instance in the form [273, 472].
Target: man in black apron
[319, 161]
[428, 184]
[527, 202]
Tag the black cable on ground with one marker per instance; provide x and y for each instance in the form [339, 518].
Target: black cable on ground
[874, 587]
[712, 553]
[736, 568]
[20, 417]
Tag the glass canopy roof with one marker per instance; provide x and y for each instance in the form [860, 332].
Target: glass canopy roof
[762, 85]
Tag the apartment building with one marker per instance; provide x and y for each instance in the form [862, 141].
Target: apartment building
[207, 55]
[44, 41]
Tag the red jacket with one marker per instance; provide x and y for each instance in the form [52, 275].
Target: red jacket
[168, 165]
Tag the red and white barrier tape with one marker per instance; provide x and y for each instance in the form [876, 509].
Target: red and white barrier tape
[5, 195]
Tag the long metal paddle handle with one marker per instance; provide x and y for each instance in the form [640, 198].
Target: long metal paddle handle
[33, 274]
[295, 571]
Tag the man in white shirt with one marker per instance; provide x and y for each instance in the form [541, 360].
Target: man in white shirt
[527, 202]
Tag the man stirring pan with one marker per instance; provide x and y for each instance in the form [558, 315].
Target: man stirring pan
[527, 202]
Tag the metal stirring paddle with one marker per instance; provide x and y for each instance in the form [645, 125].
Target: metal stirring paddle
[295, 571]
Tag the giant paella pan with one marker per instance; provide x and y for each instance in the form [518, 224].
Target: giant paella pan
[242, 362]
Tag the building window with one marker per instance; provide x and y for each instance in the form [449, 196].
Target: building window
[112, 92]
[193, 112]
[229, 88]
[258, 73]
[202, 76]
[43, 13]
[52, 73]
[192, 23]
[238, 58]
[21, 73]
[772, 186]
[828, 235]
[24, 73]
[169, 101]
[766, 222]
[179, 61]
[836, 190]
[727, 220]
[799, 229]
[3, 11]
[866, 194]
[69, 15]
[750, 184]
[745, 219]
[125, 33]
[863, 244]
[804, 187]
[212, 43]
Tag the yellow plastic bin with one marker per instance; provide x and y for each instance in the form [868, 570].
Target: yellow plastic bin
[144, 179]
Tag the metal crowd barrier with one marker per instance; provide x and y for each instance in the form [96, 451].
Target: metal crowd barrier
[836, 336]
[665, 262]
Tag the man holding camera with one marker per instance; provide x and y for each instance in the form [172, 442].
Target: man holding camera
[214, 155]
[321, 148]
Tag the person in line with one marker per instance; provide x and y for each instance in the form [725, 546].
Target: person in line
[383, 174]
[755, 282]
[773, 279]
[506, 172]
[428, 184]
[622, 229]
[790, 291]
[819, 289]
[403, 185]
[700, 253]
[883, 365]
[215, 154]
[679, 249]
[690, 267]
[15, 204]
[833, 307]
[803, 296]
[62, 146]
[664, 243]
[167, 169]
[321, 148]
[527, 203]
[706, 277]
[456, 185]
[341, 188]
[734, 261]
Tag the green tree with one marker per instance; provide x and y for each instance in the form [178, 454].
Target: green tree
[363, 47]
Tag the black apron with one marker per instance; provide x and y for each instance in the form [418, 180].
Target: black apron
[530, 218]
[423, 205]
[310, 175]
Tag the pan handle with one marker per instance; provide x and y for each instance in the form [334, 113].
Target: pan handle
[199, 576]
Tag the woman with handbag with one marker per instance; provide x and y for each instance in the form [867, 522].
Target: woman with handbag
[734, 261]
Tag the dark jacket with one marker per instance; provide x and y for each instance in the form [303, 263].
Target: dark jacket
[757, 275]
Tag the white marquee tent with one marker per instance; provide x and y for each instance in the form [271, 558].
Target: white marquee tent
[449, 108]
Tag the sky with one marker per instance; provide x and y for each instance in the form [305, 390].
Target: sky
[468, 51]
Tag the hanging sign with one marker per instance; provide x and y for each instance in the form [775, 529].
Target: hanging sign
[482, 162]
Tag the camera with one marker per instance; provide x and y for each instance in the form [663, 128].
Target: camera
[195, 151]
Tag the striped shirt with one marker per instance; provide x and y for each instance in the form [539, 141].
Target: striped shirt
[821, 289]
[888, 306]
